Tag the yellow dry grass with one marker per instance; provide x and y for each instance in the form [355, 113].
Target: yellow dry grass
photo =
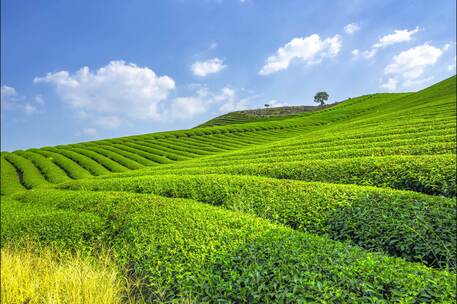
[46, 277]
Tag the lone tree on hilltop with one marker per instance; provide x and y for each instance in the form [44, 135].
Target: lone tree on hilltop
[321, 98]
[267, 105]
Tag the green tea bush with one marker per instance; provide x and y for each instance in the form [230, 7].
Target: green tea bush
[185, 250]
[157, 159]
[72, 168]
[128, 163]
[108, 164]
[46, 225]
[53, 173]
[93, 166]
[428, 174]
[414, 226]
[9, 179]
[136, 157]
[31, 176]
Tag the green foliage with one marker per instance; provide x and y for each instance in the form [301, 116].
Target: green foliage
[72, 168]
[9, 179]
[434, 175]
[413, 226]
[183, 249]
[48, 226]
[321, 98]
[53, 173]
[30, 175]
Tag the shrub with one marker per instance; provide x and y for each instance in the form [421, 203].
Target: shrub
[416, 227]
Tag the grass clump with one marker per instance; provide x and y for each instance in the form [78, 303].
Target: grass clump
[49, 276]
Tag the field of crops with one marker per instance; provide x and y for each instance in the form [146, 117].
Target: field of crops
[354, 203]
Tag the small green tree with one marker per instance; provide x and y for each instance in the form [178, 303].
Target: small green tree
[321, 98]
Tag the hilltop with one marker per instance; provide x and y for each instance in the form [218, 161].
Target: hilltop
[266, 114]
[351, 203]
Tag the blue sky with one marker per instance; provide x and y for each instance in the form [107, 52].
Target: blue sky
[74, 71]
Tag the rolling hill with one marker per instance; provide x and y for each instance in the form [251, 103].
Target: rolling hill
[351, 203]
[267, 114]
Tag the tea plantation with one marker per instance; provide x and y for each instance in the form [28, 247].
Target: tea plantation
[354, 203]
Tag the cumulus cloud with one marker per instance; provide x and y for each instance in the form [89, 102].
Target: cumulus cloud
[351, 28]
[311, 49]
[224, 100]
[183, 108]
[390, 84]
[204, 68]
[116, 93]
[408, 66]
[398, 36]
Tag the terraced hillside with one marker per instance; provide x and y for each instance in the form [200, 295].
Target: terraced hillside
[351, 204]
[267, 114]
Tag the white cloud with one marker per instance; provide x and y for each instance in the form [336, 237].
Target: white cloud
[29, 108]
[211, 66]
[9, 97]
[224, 100]
[39, 100]
[109, 122]
[412, 62]
[116, 93]
[356, 53]
[310, 49]
[351, 28]
[397, 36]
[13, 101]
[390, 85]
[89, 132]
[7, 91]
[183, 108]
[408, 66]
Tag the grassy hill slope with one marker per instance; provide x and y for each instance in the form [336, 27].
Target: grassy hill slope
[352, 203]
[267, 114]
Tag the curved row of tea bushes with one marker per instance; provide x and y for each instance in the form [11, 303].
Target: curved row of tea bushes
[163, 153]
[425, 149]
[31, 176]
[172, 154]
[53, 173]
[107, 163]
[414, 226]
[72, 168]
[86, 162]
[126, 162]
[428, 174]
[334, 146]
[187, 251]
[129, 155]
[156, 159]
[9, 179]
